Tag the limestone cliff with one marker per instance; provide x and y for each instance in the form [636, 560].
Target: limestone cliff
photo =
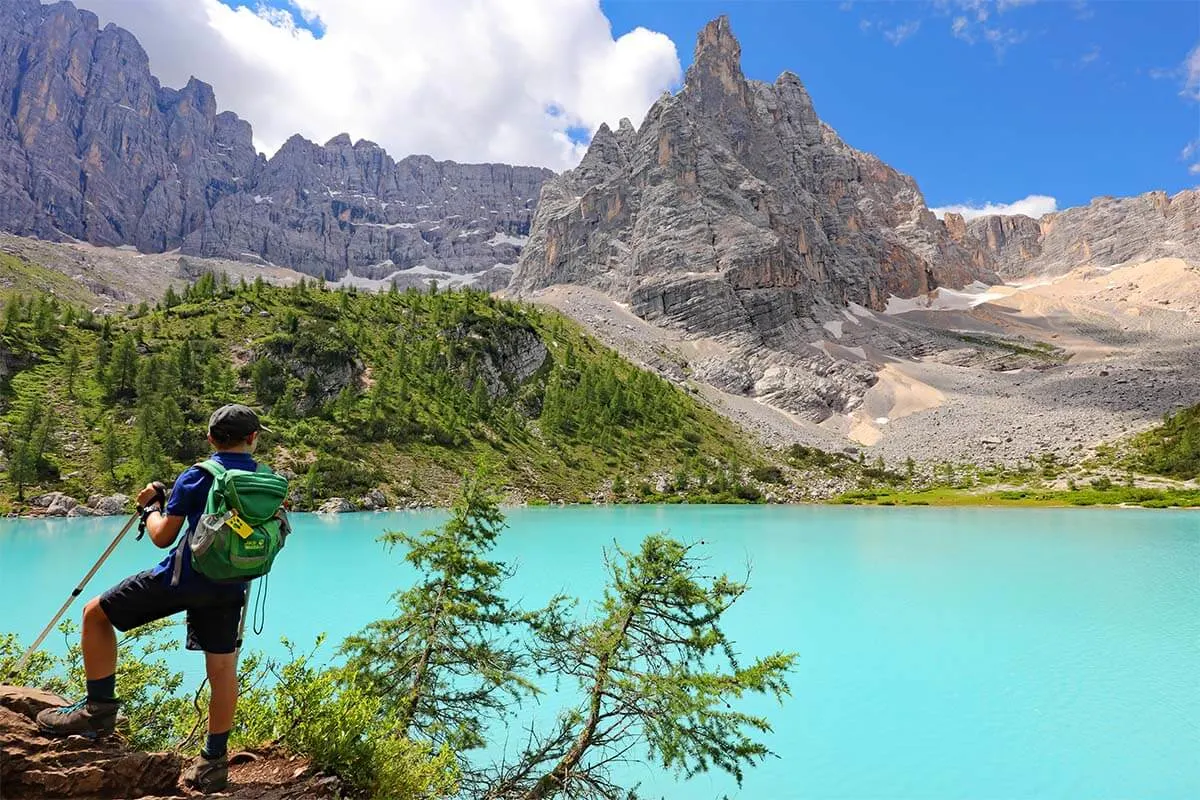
[93, 148]
[1106, 232]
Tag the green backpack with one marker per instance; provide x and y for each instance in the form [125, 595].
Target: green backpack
[243, 526]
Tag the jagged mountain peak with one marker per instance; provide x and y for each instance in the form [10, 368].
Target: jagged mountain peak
[734, 210]
[717, 47]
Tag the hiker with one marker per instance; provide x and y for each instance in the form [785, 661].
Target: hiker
[214, 608]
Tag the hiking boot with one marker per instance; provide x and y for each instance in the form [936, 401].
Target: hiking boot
[94, 719]
[207, 774]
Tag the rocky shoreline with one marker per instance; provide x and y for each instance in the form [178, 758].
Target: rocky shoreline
[58, 504]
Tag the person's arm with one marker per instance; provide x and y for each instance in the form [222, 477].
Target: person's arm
[163, 528]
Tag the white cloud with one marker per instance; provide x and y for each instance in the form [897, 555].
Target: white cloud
[1191, 74]
[971, 22]
[1090, 57]
[1035, 205]
[900, 33]
[472, 80]
[961, 29]
[1191, 152]
[1005, 5]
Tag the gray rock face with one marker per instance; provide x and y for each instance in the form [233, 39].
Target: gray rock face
[374, 500]
[336, 505]
[108, 506]
[93, 148]
[734, 211]
[350, 208]
[512, 359]
[1106, 232]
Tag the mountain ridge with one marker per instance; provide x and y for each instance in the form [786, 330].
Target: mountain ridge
[1105, 232]
[93, 148]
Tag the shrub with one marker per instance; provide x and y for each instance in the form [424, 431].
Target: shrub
[326, 716]
[768, 474]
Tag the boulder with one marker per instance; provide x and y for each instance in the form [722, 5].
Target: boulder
[28, 701]
[336, 505]
[44, 501]
[374, 500]
[82, 511]
[109, 506]
[62, 506]
[56, 504]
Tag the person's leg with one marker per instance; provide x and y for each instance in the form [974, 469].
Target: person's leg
[223, 681]
[98, 640]
[135, 601]
[213, 623]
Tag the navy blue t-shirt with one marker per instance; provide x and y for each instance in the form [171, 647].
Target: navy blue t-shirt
[188, 499]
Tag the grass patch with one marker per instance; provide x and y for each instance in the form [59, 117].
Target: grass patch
[1034, 498]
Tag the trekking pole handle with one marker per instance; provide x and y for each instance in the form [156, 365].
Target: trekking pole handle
[160, 499]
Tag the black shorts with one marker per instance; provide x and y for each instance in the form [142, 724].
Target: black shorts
[213, 611]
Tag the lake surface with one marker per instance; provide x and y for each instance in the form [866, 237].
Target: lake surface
[944, 653]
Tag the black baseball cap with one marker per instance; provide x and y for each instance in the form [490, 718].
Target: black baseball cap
[233, 422]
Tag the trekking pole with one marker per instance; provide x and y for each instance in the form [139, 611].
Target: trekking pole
[78, 590]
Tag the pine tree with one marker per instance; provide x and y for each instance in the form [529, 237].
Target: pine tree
[185, 366]
[23, 454]
[12, 315]
[446, 661]
[110, 451]
[124, 369]
[71, 369]
[170, 299]
[147, 447]
[656, 671]
[101, 364]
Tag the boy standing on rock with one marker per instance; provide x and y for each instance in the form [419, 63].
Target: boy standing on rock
[214, 610]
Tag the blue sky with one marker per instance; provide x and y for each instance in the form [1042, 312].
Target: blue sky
[1085, 99]
[982, 101]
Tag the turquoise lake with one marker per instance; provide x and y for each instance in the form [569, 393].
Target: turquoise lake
[944, 653]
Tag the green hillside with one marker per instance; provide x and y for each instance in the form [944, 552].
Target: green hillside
[400, 391]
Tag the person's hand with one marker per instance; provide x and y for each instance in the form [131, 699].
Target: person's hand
[147, 496]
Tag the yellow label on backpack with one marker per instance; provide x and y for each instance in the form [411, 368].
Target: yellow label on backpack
[239, 526]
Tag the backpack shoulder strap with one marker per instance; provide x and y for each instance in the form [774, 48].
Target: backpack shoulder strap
[212, 467]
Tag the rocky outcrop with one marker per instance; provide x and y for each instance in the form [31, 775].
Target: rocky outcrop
[93, 148]
[108, 505]
[54, 504]
[374, 500]
[336, 505]
[512, 357]
[1106, 232]
[34, 766]
[734, 211]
